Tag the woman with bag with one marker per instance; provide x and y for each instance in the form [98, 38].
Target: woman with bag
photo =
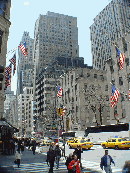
[74, 165]
[18, 157]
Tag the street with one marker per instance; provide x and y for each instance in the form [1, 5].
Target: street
[32, 163]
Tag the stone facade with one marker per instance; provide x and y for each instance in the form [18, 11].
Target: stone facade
[4, 33]
[84, 92]
[120, 79]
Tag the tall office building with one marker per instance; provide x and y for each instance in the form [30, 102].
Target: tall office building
[54, 35]
[25, 65]
[109, 25]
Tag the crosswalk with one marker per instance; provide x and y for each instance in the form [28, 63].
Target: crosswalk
[39, 167]
[43, 167]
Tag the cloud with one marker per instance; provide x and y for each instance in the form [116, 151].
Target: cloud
[26, 3]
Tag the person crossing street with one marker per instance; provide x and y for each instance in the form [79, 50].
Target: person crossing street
[57, 155]
[51, 159]
[106, 162]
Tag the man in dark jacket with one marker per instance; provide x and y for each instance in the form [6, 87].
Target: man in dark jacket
[78, 152]
[57, 155]
[69, 159]
[106, 162]
[34, 146]
[51, 159]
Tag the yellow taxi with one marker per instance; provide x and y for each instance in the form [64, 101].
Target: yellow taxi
[71, 140]
[83, 143]
[46, 142]
[116, 143]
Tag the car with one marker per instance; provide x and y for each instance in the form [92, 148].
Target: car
[71, 140]
[117, 143]
[83, 143]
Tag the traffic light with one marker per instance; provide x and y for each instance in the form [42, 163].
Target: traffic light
[61, 111]
[1, 76]
[58, 111]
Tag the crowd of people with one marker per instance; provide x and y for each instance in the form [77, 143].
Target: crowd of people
[73, 162]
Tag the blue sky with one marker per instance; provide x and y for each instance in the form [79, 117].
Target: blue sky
[24, 13]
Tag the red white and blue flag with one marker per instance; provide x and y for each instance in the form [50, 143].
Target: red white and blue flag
[59, 91]
[121, 58]
[24, 49]
[129, 94]
[64, 110]
[9, 69]
[13, 61]
[114, 96]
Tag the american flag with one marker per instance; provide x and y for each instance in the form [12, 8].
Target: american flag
[6, 74]
[24, 49]
[64, 110]
[114, 96]
[9, 68]
[13, 60]
[59, 91]
[121, 58]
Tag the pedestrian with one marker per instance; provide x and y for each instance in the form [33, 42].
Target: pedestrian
[126, 167]
[69, 159]
[19, 144]
[9, 147]
[29, 144]
[51, 159]
[22, 146]
[34, 146]
[78, 152]
[106, 162]
[74, 165]
[57, 155]
[18, 157]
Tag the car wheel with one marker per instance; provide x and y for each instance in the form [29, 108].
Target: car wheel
[104, 146]
[116, 147]
[88, 148]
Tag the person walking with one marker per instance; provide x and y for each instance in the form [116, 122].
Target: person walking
[69, 159]
[19, 144]
[106, 162]
[78, 152]
[51, 159]
[57, 155]
[18, 157]
[126, 167]
[74, 165]
[34, 146]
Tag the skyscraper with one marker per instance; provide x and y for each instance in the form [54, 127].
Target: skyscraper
[109, 25]
[54, 35]
[25, 65]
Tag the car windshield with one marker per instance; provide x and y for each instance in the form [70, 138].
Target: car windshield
[82, 141]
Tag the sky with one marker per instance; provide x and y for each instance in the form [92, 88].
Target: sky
[24, 13]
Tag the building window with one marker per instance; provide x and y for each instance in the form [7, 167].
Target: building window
[95, 76]
[106, 87]
[102, 77]
[3, 7]
[76, 108]
[1, 33]
[88, 74]
[120, 81]
[27, 91]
